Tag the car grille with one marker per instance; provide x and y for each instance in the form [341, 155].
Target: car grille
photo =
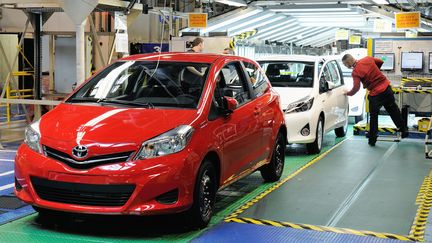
[82, 194]
[89, 162]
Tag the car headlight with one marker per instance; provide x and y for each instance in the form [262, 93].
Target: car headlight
[170, 142]
[304, 104]
[32, 137]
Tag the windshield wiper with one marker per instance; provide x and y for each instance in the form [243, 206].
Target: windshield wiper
[124, 102]
[83, 99]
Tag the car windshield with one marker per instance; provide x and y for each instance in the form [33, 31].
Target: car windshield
[289, 73]
[146, 84]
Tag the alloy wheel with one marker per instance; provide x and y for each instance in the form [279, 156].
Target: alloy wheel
[319, 134]
[206, 191]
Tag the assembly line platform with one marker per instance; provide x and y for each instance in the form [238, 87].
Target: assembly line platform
[349, 193]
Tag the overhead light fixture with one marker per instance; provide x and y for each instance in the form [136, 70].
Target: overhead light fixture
[333, 24]
[223, 23]
[380, 1]
[324, 14]
[235, 3]
[237, 30]
[335, 19]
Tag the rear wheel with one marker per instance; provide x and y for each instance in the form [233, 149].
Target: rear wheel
[315, 146]
[273, 170]
[204, 195]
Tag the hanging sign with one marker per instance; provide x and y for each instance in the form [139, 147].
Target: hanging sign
[354, 40]
[197, 20]
[342, 34]
[382, 25]
[407, 20]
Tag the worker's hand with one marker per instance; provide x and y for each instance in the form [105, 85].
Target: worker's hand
[345, 92]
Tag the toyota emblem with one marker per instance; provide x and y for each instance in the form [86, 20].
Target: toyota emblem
[80, 151]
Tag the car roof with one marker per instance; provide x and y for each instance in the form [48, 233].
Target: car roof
[178, 57]
[302, 58]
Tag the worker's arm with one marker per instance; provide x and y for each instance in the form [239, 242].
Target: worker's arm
[378, 62]
[194, 71]
[356, 85]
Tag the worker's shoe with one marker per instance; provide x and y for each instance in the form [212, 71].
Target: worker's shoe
[372, 141]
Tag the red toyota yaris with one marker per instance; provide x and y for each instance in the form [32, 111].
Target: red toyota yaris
[154, 134]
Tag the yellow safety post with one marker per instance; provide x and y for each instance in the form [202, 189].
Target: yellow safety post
[8, 110]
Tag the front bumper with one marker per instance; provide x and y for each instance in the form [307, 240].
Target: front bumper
[295, 122]
[150, 178]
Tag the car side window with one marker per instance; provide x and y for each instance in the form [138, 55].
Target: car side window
[232, 83]
[257, 79]
[334, 72]
[325, 77]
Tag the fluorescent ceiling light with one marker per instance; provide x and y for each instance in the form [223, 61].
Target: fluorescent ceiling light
[284, 33]
[251, 21]
[380, 1]
[227, 21]
[275, 28]
[338, 13]
[310, 8]
[336, 20]
[236, 3]
[333, 24]
[236, 31]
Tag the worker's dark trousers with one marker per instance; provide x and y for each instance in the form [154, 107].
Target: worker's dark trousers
[387, 100]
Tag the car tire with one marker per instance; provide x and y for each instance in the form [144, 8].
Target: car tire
[273, 171]
[342, 131]
[204, 195]
[315, 146]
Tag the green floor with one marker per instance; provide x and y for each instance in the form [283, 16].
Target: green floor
[355, 186]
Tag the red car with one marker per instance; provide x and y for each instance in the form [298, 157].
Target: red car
[154, 134]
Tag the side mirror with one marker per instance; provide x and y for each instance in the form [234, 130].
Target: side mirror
[330, 85]
[230, 104]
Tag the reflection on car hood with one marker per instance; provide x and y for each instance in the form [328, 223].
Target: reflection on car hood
[81, 124]
[290, 95]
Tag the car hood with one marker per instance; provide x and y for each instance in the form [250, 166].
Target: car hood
[70, 125]
[290, 95]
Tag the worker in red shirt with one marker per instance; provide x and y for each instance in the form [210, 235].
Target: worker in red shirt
[367, 71]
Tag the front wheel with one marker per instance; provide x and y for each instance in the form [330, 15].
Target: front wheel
[315, 146]
[273, 170]
[204, 195]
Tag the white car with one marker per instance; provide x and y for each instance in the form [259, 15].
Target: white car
[311, 90]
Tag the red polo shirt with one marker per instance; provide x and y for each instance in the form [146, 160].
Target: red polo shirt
[367, 71]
